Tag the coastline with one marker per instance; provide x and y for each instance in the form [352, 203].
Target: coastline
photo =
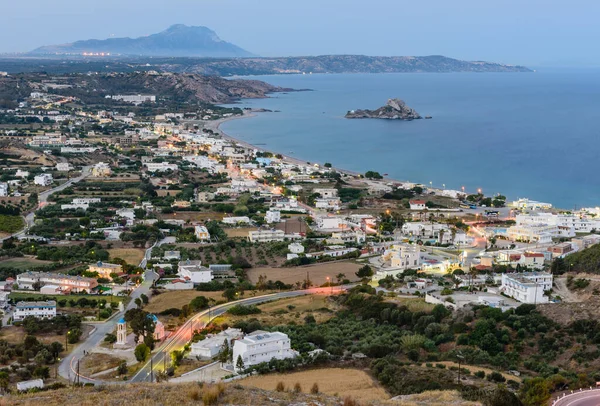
[216, 127]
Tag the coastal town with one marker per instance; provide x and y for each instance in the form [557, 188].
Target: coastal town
[143, 244]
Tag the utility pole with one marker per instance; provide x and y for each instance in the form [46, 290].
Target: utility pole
[151, 370]
[460, 358]
[78, 378]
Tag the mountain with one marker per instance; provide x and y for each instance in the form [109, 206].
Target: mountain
[332, 64]
[178, 40]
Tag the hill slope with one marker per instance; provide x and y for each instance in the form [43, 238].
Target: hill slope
[177, 40]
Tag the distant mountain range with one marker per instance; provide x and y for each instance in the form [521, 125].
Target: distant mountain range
[177, 40]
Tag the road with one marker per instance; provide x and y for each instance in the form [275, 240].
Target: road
[43, 200]
[584, 398]
[160, 359]
[68, 367]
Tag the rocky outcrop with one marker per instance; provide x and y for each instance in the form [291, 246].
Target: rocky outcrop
[395, 109]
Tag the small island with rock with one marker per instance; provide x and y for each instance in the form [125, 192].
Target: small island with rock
[395, 109]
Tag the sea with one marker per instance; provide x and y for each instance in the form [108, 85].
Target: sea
[533, 135]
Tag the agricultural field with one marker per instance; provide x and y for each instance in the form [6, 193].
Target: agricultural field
[291, 310]
[10, 224]
[132, 256]
[177, 299]
[22, 263]
[413, 304]
[342, 382]
[317, 273]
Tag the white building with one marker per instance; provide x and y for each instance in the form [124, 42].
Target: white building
[213, 343]
[236, 220]
[194, 271]
[105, 269]
[86, 200]
[569, 222]
[526, 204]
[45, 179]
[82, 206]
[63, 167]
[326, 193]
[22, 174]
[329, 223]
[527, 287]
[273, 216]
[40, 310]
[67, 283]
[3, 189]
[160, 166]
[403, 256]
[201, 233]
[538, 233]
[417, 204]
[101, 170]
[330, 204]
[135, 99]
[296, 248]
[260, 347]
[266, 235]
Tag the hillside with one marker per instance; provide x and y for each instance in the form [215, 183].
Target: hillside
[177, 40]
[177, 87]
[253, 66]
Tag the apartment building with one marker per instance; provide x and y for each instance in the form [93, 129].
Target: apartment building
[40, 310]
[105, 269]
[527, 287]
[266, 235]
[194, 271]
[65, 283]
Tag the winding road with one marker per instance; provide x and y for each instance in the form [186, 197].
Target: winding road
[160, 358]
[583, 398]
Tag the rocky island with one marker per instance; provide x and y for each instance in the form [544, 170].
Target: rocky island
[395, 109]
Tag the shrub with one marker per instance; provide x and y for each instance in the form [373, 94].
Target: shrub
[142, 352]
[496, 377]
[297, 387]
[479, 374]
[280, 387]
[110, 338]
[315, 389]
[194, 394]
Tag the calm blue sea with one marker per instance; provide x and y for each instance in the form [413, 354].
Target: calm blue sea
[530, 135]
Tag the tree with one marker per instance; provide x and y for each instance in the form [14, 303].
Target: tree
[239, 364]
[223, 356]
[138, 302]
[229, 294]
[56, 348]
[41, 372]
[73, 335]
[4, 381]
[340, 277]
[140, 322]
[199, 303]
[534, 392]
[142, 351]
[176, 357]
[365, 272]
[144, 298]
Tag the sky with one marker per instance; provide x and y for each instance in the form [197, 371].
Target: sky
[525, 32]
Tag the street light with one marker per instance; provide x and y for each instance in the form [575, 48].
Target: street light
[460, 358]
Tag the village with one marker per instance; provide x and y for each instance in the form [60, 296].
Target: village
[144, 232]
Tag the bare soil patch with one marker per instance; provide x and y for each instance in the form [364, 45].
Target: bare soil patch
[317, 273]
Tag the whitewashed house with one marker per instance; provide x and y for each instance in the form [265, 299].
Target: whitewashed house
[194, 271]
[260, 347]
[527, 287]
[213, 343]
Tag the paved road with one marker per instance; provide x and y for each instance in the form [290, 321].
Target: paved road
[68, 367]
[176, 341]
[43, 200]
[585, 398]
[181, 337]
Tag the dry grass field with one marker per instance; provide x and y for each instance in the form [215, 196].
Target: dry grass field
[241, 232]
[474, 369]
[331, 381]
[433, 398]
[177, 299]
[318, 273]
[132, 256]
[285, 311]
[98, 362]
[414, 305]
[147, 394]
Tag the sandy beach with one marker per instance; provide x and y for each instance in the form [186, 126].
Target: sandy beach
[216, 127]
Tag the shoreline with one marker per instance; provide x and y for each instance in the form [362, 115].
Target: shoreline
[216, 127]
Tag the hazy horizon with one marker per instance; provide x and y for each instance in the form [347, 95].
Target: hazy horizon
[535, 33]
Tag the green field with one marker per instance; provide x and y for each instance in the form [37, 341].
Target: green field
[36, 296]
[10, 224]
[22, 263]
